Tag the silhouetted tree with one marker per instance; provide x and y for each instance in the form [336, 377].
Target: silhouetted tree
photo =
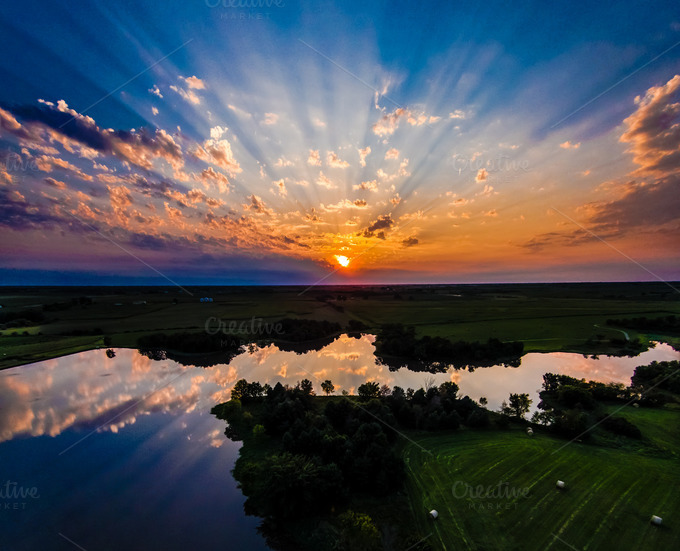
[518, 407]
[328, 387]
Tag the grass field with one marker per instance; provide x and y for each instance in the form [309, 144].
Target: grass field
[607, 504]
[555, 317]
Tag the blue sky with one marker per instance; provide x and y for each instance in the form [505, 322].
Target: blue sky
[184, 132]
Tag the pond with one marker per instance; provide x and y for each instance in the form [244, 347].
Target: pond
[114, 453]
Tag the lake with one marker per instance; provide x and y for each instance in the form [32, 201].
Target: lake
[114, 453]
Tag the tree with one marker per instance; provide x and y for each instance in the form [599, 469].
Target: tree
[328, 387]
[483, 401]
[240, 390]
[518, 407]
[369, 390]
[307, 387]
[359, 532]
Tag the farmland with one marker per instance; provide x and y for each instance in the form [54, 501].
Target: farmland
[545, 317]
[608, 501]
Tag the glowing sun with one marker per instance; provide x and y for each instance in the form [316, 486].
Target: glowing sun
[342, 260]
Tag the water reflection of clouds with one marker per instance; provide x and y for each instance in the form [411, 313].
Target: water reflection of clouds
[89, 391]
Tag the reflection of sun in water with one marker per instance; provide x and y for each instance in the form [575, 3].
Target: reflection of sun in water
[342, 260]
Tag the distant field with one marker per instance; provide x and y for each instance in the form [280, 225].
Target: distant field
[610, 496]
[547, 317]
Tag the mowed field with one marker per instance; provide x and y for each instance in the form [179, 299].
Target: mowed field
[546, 317]
[609, 499]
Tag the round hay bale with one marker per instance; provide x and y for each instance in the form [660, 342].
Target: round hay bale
[530, 431]
[433, 514]
[656, 521]
[560, 484]
[636, 405]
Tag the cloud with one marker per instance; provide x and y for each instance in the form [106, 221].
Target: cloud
[324, 181]
[68, 127]
[194, 82]
[120, 199]
[218, 152]
[5, 177]
[388, 123]
[569, 145]
[491, 213]
[55, 183]
[187, 95]
[488, 190]
[174, 215]
[257, 206]
[653, 130]
[283, 162]
[637, 205]
[240, 112]
[333, 161]
[392, 153]
[457, 114]
[382, 223]
[45, 163]
[210, 177]
[636, 208]
[345, 204]
[155, 91]
[363, 153]
[270, 119]
[216, 132]
[280, 187]
[395, 200]
[318, 122]
[409, 242]
[154, 110]
[371, 185]
[482, 175]
[314, 158]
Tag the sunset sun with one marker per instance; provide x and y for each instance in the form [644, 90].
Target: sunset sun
[342, 260]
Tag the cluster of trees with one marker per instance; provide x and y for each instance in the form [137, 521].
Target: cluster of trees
[193, 343]
[665, 324]
[21, 318]
[300, 330]
[571, 406]
[400, 341]
[650, 380]
[322, 452]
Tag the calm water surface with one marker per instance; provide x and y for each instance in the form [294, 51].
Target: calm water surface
[122, 453]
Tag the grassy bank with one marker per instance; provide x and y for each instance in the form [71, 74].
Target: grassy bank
[607, 504]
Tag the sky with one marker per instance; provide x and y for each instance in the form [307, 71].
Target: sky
[294, 142]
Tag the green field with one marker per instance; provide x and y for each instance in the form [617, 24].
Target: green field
[546, 317]
[607, 504]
